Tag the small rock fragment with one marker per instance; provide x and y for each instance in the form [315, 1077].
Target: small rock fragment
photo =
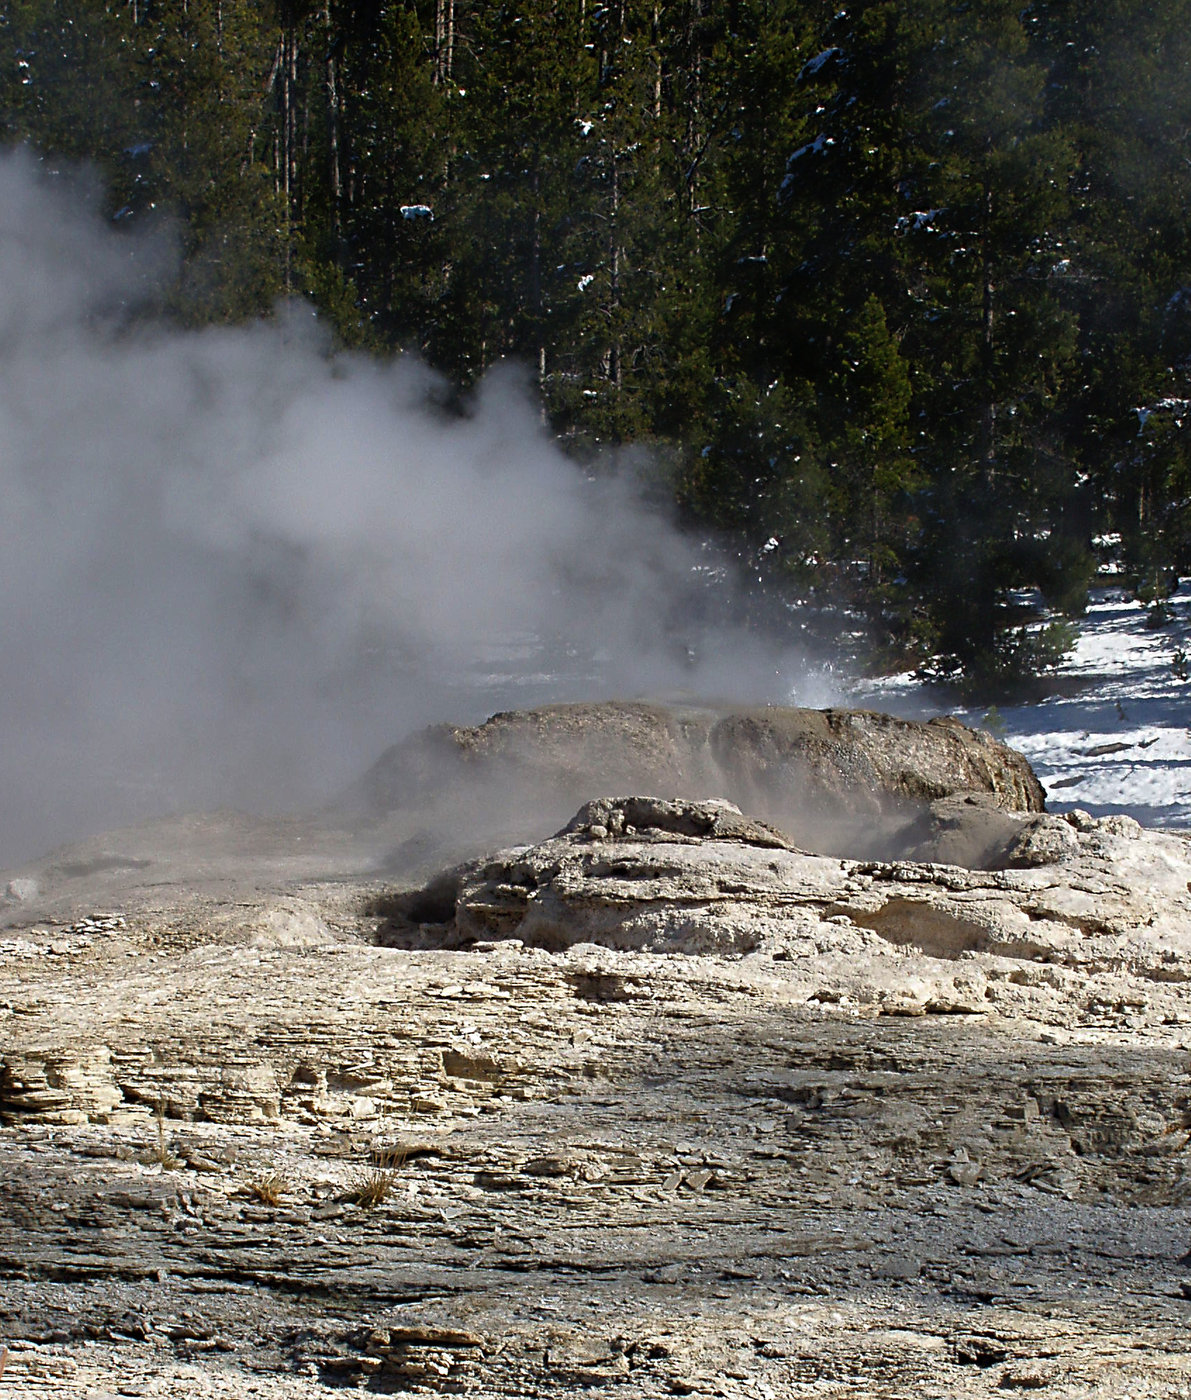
[1033, 1374]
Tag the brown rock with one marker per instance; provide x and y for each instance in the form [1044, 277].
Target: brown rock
[839, 781]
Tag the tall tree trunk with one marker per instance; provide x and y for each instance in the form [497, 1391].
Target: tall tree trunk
[444, 40]
[334, 173]
[655, 28]
[988, 415]
[288, 146]
[614, 276]
[535, 286]
[292, 102]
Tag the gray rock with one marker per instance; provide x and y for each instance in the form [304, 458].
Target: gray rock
[978, 831]
[655, 818]
[1042, 841]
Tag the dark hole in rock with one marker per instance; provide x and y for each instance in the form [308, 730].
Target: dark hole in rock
[601, 987]
[432, 904]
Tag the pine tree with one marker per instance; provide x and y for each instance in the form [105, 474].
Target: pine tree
[999, 346]
[1117, 83]
[208, 70]
[69, 84]
[874, 475]
[745, 413]
[390, 223]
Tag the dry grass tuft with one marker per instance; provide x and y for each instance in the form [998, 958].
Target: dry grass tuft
[268, 1189]
[160, 1152]
[374, 1183]
[372, 1187]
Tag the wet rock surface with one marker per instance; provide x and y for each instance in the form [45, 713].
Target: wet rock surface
[659, 1105]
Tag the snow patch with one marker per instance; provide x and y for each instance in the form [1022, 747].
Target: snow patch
[1118, 739]
[818, 63]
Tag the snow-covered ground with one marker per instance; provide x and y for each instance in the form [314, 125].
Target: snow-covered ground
[1119, 738]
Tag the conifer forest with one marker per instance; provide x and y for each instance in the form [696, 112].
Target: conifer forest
[896, 298]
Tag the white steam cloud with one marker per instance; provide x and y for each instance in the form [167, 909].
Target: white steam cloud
[235, 567]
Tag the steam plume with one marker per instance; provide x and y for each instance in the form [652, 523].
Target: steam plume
[235, 566]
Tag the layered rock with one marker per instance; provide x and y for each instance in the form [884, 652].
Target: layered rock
[662, 1104]
[666, 876]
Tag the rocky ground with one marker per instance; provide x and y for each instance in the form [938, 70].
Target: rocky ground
[658, 1106]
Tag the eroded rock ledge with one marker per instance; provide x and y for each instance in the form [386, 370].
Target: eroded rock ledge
[1075, 892]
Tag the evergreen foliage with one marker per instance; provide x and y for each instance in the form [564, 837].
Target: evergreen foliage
[899, 296]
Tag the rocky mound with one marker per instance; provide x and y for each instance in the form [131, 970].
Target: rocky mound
[848, 782]
[651, 875]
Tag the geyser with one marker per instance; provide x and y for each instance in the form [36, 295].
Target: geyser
[237, 565]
